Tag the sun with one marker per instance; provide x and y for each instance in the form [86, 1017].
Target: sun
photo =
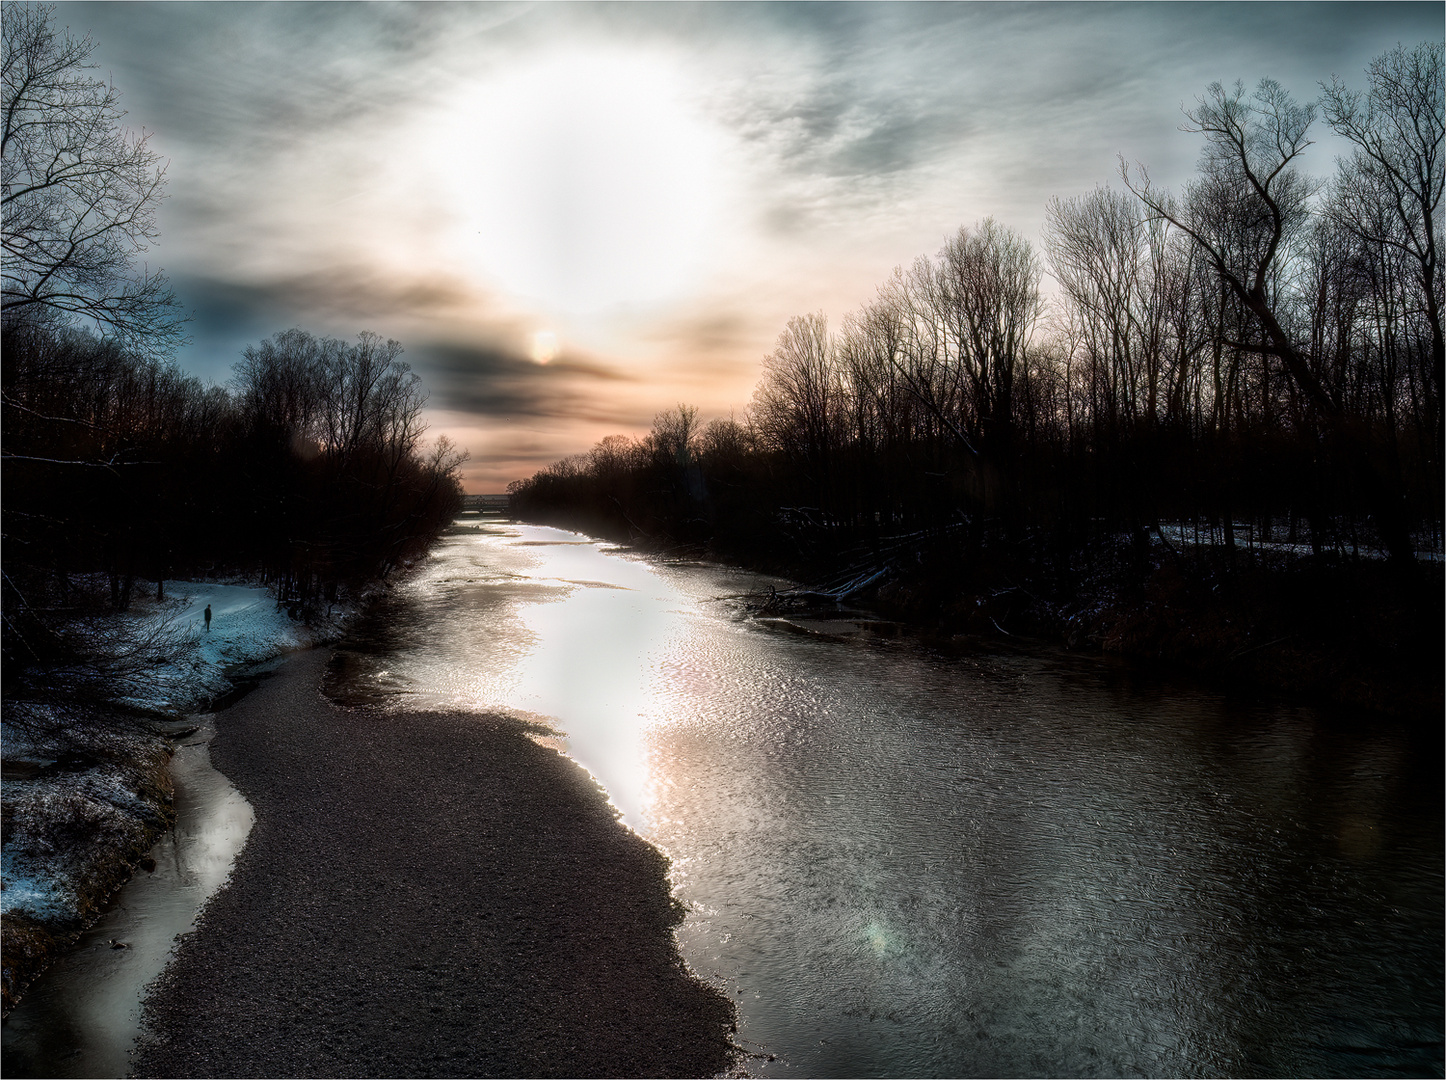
[582, 180]
[544, 346]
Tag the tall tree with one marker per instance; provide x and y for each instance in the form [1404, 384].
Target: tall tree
[1397, 129]
[79, 193]
[795, 406]
[1245, 210]
[1248, 204]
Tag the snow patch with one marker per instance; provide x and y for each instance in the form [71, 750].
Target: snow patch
[34, 893]
[247, 627]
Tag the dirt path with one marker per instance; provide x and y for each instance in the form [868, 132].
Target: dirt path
[427, 895]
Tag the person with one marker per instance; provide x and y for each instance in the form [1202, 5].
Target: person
[208, 618]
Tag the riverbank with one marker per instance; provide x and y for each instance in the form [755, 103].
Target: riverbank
[435, 896]
[1356, 635]
[87, 793]
[87, 752]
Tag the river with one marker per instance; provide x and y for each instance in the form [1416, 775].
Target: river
[904, 861]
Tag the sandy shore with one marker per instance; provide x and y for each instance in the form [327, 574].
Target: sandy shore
[426, 895]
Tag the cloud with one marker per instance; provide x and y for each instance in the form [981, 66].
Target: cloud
[857, 136]
[493, 381]
[338, 294]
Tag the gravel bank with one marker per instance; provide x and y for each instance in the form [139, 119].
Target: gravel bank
[426, 895]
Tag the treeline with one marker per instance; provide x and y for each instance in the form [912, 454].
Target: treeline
[309, 470]
[1262, 351]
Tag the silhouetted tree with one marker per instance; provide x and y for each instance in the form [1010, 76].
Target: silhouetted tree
[1388, 193]
[79, 194]
[1257, 352]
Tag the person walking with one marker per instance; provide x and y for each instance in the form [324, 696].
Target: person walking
[208, 618]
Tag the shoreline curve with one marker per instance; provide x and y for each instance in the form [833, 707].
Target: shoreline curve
[426, 894]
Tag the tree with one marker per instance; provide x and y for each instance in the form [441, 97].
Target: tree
[1248, 205]
[1397, 129]
[796, 403]
[674, 432]
[79, 193]
[1245, 211]
[989, 301]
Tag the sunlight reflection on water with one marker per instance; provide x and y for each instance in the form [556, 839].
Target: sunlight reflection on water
[1007, 863]
[562, 631]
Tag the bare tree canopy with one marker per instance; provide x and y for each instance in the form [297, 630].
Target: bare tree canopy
[79, 193]
[1248, 204]
[1397, 128]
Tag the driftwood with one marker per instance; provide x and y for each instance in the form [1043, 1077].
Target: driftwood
[854, 582]
[839, 593]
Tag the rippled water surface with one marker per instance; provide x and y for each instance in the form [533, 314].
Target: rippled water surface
[1000, 863]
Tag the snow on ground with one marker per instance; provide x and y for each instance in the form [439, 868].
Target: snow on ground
[1247, 536]
[191, 665]
[86, 787]
[31, 892]
[83, 790]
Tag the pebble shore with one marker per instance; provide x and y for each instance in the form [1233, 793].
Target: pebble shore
[426, 895]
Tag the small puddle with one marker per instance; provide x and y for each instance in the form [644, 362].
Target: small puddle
[81, 1017]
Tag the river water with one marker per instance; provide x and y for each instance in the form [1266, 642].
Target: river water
[909, 863]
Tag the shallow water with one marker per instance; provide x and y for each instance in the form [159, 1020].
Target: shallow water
[81, 1017]
[999, 863]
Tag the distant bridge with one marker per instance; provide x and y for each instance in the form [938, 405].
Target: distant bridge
[487, 504]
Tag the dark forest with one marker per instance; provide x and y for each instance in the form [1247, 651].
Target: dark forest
[308, 472]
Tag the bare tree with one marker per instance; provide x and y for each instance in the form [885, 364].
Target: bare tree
[907, 326]
[1397, 128]
[370, 399]
[79, 193]
[613, 457]
[989, 301]
[1248, 204]
[724, 442]
[1131, 286]
[796, 402]
[1248, 207]
[674, 432]
[278, 384]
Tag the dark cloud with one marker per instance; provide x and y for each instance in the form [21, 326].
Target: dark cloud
[338, 294]
[494, 381]
[341, 302]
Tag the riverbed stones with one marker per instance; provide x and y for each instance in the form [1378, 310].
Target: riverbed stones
[426, 894]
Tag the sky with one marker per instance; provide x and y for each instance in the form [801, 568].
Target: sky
[573, 216]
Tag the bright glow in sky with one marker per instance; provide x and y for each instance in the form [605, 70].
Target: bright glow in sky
[579, 183]
[575, 215]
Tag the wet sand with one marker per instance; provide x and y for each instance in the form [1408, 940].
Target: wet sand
[426, 895]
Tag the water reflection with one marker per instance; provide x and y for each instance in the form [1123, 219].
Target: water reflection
[912, 864]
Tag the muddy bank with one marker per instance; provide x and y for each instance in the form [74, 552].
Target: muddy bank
[426, 895]
[87, 793]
